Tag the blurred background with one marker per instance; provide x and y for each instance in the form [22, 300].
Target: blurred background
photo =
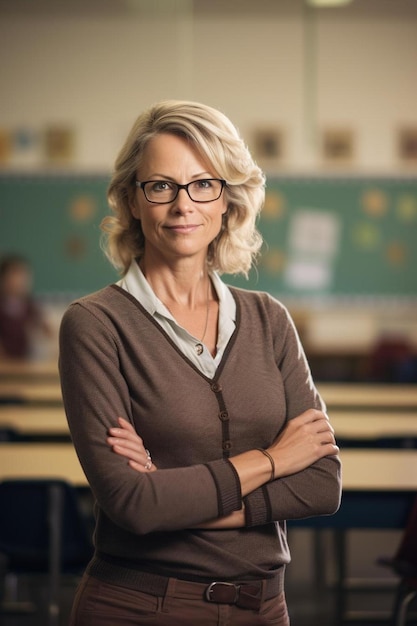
[324, 93]
[325, 97]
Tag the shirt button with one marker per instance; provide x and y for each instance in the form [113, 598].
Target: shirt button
[199, 349]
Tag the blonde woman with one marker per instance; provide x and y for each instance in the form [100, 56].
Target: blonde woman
[190, 402]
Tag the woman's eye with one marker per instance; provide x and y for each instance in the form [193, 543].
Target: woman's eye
[203, 184]
[162, 185]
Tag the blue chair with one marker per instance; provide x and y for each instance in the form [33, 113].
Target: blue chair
[43, 531]
[404, 565]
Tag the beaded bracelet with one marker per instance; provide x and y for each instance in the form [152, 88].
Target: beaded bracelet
[271, 460]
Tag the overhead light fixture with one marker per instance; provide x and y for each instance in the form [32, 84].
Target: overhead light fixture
[328, 3]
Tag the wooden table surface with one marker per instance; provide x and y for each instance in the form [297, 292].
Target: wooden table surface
[34, 420]
[373, 424]
[34, 392]
[361, 469]
[12, 369]
[41, 460]
[364, 395]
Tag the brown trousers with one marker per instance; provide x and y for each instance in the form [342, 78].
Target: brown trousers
[100, 604]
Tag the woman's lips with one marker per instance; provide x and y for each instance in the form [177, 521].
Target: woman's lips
[183, 228]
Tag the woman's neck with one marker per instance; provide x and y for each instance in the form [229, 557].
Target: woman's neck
[184, 286]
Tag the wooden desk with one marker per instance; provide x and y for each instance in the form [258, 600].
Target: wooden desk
[380, 396]
[373, 424]
[31, 392]
[34, 420]
[377, 470]
[41, 460]
[12, 369]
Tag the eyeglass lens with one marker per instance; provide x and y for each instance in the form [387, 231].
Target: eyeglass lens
[203, 190]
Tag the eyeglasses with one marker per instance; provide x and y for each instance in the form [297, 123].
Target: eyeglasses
[165, 191]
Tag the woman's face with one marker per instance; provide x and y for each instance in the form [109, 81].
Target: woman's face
[183, 228]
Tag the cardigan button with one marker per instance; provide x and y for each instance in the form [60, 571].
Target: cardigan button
[216, 387]
[224, 416]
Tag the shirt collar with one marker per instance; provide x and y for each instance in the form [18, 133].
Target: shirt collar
[135, 283]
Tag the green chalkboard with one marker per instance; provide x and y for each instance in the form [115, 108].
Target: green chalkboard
[54, 221]
[324, 236]
[350, 236]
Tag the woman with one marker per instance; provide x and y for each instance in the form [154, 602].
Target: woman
[221, 435]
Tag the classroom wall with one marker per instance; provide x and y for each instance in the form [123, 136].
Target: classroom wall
[94, 66]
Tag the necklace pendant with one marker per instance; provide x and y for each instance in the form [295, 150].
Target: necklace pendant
[199, 348]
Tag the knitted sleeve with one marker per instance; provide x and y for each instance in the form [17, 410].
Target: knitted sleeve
[317, 489]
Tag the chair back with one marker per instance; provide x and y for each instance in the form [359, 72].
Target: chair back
[407, 550]
[41, 520]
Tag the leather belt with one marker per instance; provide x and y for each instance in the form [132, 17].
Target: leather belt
[245, 596]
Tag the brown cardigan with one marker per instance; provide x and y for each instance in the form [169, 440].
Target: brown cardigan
[116, 360]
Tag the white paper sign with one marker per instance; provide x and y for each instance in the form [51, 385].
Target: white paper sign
[314, 237]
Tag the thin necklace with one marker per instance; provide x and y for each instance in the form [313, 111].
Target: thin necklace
[207, 310]
[199, 347]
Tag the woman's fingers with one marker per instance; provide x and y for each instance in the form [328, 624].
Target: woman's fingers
[313, 420]
[124, 424]
[125, 442]
[305, 439]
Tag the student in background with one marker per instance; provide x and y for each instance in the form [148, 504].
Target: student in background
[20, 315]
[212, 379]
[393, 360]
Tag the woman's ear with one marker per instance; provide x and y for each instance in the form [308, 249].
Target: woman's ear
[224, 222]
[134, 207]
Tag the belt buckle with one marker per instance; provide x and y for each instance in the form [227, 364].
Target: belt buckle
[211, 592]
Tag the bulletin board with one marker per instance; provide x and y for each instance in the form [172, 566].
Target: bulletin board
[333, 236]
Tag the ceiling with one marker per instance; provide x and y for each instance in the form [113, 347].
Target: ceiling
[365, 8]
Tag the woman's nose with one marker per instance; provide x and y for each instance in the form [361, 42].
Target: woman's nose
[183, 202]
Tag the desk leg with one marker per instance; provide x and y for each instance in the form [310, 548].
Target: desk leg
[55, 546]
[340, 552]
[319, 561]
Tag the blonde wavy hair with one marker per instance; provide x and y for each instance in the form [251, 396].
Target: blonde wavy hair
[217, 141]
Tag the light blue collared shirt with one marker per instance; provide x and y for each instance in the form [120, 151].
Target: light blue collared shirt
[135, 283]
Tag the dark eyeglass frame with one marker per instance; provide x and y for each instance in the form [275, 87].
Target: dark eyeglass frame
[142, 184]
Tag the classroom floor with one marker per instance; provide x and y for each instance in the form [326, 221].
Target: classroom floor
[307, 606]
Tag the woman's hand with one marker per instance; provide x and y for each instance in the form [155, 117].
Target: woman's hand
[304, 440]
[125, 441]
